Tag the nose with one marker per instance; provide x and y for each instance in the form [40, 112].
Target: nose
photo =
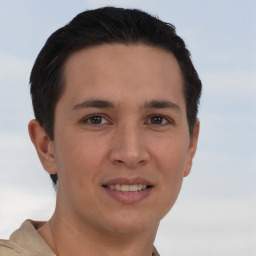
[129, 148]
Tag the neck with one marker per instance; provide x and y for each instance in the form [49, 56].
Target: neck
[68, 237]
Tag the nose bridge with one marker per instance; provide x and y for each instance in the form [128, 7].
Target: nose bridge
[131, 138]
[129, 147]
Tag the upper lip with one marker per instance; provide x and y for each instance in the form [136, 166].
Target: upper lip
[128, 181]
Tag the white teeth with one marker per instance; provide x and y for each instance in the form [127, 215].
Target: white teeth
[128, 188]
[125, 188]
[133, 188]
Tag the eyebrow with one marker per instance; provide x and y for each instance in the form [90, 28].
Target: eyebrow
[161, 104]
[94, 104]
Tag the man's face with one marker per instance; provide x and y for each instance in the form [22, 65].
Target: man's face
[121, 125]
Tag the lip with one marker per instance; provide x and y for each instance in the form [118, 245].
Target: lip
[128, 197]
[128, 181]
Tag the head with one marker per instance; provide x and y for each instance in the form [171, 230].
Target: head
[106, 33]
[105, 26]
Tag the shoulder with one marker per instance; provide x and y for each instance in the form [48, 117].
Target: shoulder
[9, 248]
[25, 241]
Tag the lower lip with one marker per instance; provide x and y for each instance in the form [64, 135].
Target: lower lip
[128, 197]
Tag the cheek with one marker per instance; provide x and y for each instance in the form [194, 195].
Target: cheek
[79, 164]
[171, 161]
[171, 156]
[79, 159]
[172, 173]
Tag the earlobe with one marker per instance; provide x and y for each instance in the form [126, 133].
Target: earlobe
[43, 145]
[192, 148]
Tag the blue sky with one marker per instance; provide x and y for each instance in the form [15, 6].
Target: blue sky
[215, 213]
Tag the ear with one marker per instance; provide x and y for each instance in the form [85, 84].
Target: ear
[44, 146]
[192, 148]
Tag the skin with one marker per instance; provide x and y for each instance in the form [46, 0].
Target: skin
[128, 142]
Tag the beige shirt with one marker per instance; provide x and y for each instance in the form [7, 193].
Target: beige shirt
[26, 241]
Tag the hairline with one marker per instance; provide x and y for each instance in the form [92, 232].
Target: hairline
[65, 58]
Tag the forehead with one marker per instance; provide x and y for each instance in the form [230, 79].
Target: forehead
[121, 72]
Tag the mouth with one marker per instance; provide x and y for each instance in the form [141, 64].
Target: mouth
[128, 188]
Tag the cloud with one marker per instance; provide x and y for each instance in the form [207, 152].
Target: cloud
[209, 227]
[14, 68]
[20, 164]
[18, 205]
[240, 83]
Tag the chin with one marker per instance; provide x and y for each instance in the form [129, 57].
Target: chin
[130, 224]
[134, 229]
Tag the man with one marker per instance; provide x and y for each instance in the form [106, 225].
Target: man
[115, 97]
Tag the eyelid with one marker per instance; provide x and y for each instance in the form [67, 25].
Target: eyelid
[85, 119]
[168, 119]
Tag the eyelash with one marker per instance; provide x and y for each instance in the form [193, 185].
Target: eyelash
[168, 120]
[86, 119]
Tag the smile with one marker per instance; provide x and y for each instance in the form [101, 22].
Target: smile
[128, 194]
[128, 188]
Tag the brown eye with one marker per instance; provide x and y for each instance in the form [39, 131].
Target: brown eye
[95, 119]
[156, 120]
